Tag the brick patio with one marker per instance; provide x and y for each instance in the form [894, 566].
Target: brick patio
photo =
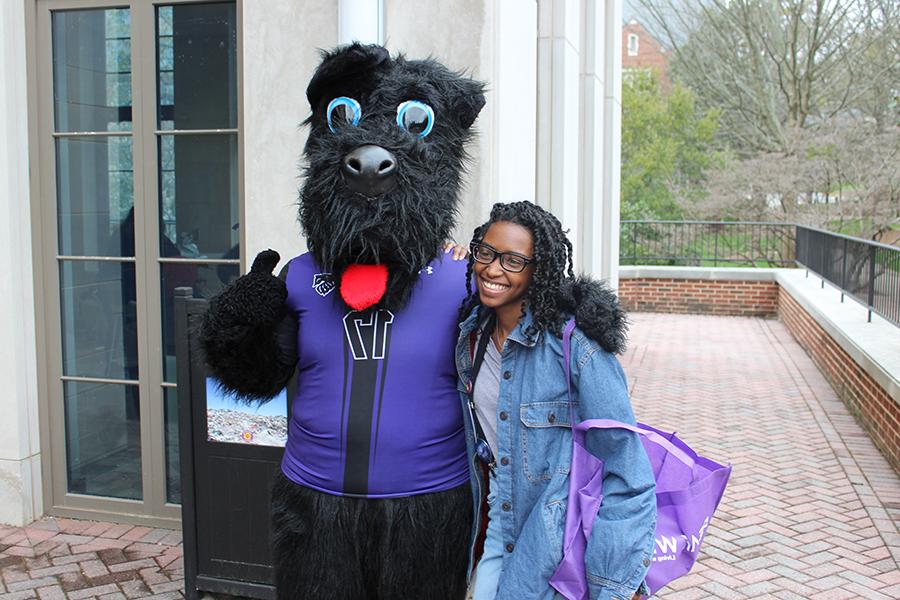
[812, 507]
[54, 559]
[811, 511]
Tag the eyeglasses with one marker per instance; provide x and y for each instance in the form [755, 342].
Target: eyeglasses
[509, 261]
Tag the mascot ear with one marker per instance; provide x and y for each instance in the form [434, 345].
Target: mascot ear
[349, 63]
[469, 102]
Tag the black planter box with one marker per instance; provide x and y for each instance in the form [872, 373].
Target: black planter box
[225, 486]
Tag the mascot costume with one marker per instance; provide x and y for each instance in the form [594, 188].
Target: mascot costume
[375, 498]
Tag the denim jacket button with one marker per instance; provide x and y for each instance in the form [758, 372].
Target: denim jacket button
[506, 506]
[552, 418]
[503, 415]
[509, 547]
[504, 461]
[646, 562]
[506, 374]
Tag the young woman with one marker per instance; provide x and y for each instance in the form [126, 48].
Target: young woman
[524, 292]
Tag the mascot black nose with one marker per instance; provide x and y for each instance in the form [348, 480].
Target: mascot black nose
[370, 170]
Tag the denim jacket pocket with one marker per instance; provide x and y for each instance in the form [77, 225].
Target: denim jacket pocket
[545, 428]
[554, 514]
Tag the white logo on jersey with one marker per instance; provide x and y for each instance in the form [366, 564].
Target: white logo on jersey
[323, 283]
[367, 333]
[429, 270]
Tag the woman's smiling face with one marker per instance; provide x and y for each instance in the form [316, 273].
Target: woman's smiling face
[498, 288]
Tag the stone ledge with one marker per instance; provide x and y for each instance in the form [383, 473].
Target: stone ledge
[700, 273]
[874, 346]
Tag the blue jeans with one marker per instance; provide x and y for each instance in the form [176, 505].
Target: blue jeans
[487, 573]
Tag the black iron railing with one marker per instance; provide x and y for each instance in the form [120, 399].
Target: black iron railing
[866, 271]
[707, 243]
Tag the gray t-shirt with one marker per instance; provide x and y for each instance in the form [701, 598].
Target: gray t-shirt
[487, 393]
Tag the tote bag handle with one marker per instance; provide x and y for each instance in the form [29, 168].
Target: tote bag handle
[582, 427]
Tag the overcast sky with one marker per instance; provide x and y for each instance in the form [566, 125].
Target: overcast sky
[629, 10]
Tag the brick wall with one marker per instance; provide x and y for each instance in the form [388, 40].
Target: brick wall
[878, 413]
[651, 54]
[700, 296]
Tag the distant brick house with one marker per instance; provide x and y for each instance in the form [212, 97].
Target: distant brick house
[640, 50]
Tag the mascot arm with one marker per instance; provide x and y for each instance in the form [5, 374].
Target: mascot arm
[596, 311]
[248, 336]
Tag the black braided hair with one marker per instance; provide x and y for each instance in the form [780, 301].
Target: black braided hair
[552, 263]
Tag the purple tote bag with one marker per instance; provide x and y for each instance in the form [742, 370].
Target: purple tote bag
[688, 490]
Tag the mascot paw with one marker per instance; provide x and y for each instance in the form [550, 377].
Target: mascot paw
[256, 299]
[265, 262]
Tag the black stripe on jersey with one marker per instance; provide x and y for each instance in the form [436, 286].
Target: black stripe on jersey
[367, 343]
[384, 366]
[344, 400]
[359, 426]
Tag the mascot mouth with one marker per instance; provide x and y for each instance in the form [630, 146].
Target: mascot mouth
[369, 170]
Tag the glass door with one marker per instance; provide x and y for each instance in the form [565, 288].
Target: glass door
[139, 167]
[196, 140]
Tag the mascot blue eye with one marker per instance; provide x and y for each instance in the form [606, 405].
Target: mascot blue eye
[415, 117]
[343, 110]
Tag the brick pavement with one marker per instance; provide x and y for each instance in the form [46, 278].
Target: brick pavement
[812, 507]
[54, 559]
[811, 510]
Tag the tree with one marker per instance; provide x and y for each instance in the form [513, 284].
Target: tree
[842, 177]
[772, 66]
[666, 148]
[880, 63]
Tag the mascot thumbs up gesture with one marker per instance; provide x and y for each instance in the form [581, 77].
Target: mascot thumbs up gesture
[375, 498]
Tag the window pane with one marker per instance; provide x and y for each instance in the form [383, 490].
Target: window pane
[173, 467]
[95, 196]
[198, 196]
[103, 439]
[99, 323]
[206, 281]
[197, 66]
[92, 70]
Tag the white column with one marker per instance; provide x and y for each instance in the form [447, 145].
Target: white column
[601, 138]
[612, 142]
[20, 465]
[558, 110]
[361, 21]
[512, 103]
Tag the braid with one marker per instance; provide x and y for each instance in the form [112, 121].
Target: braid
[471, 299]
[552, 262]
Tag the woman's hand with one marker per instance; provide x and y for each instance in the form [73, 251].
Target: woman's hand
[459, 251]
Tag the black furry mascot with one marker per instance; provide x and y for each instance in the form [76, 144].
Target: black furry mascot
[375, 498]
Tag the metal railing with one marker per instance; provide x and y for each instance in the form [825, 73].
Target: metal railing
[707, 243]
[868, 272]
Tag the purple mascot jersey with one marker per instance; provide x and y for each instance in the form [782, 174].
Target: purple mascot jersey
[376, 413]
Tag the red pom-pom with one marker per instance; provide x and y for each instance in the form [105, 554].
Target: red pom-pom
[363, 286]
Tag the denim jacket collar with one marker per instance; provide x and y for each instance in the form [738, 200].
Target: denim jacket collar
[520, 334]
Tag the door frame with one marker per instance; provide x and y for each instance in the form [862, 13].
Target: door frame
[153, 509]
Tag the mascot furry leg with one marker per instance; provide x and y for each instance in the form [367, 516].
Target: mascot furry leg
[376, 497]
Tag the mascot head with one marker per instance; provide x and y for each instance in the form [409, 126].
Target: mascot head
[384, 161]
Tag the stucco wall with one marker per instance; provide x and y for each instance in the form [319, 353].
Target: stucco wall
[281, 42]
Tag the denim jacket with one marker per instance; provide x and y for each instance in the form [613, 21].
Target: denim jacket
[534, 453]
